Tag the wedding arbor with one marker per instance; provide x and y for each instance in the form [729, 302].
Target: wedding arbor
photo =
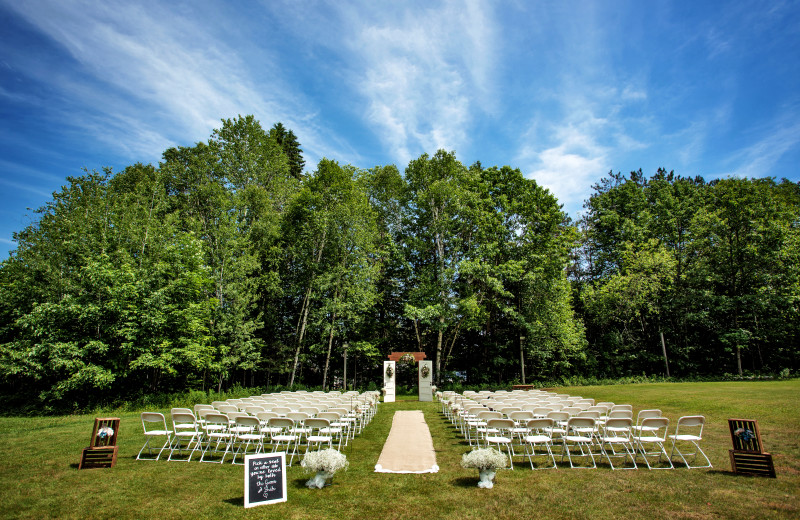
[424, 374]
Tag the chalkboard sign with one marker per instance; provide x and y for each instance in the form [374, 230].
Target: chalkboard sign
[264, 479]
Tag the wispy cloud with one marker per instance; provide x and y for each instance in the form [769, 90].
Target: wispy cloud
[424, 75]
[153, 76]
[758, 159]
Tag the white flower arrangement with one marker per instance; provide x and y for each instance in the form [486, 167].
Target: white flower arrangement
[425, 372]
[105, 432]
[325, 463]
[407, 358]
[484, 459]
[389, 371]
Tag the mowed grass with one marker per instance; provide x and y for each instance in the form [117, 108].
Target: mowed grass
[39, 476]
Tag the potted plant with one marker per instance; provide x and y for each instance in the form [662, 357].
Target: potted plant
[324, 464]
[487, 461]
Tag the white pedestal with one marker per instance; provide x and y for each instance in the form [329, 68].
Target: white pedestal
[425, 392]
[388, 381]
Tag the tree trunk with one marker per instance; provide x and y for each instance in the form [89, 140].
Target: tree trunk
[664, 350]
[328, 356]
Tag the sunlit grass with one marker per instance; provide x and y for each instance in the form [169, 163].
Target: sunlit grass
[40, 479]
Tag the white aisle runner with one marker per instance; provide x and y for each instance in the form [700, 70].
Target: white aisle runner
[409, 447]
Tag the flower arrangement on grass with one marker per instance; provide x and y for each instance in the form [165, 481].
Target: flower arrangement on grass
[487, 461]
[324, 463]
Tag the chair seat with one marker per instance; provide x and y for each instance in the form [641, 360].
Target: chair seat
[577, 438]
[536, 439]
[686, 438]
[496, 439]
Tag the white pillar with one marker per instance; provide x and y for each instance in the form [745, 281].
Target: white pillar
[425, 371]
[389, 367]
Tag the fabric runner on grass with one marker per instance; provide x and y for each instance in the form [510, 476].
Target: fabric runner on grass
[409, 447]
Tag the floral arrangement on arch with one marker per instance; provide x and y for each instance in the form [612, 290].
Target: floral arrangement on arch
[389, 371]
[407, 358]
[425, 371]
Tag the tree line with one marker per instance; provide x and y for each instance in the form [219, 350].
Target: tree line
[226, 264]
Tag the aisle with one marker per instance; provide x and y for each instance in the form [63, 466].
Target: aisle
[409, 447]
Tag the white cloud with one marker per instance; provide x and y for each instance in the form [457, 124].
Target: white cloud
[424, 76]
[758, 159]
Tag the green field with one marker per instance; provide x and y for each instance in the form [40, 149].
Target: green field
[40, 479]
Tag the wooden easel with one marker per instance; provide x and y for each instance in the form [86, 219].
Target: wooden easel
[747, 455]
[102, 451]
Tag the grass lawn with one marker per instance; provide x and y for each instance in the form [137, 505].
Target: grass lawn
[39, 476]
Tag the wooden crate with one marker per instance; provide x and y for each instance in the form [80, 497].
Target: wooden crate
[748, 456]
[102, 451]
[752, 463]
[98, 458]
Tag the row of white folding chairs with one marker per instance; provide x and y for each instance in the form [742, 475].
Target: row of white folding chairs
[582, 437]
[217, 434]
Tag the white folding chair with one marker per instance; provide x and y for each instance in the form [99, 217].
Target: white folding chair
[246, 433]
[216, 431]
[580, 434]
[499, 433]
[319, 433]
[154, 425]
[539, 435]
[617, 434]
[184, 425]
[284, 436]
[693, 423]
[652, 433]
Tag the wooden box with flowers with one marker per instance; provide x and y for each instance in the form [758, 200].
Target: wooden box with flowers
[102, 450]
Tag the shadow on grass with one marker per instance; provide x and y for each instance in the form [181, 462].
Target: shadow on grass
[465, 482]
[238, 501]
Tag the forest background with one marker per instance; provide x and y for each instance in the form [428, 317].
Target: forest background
[228, 265]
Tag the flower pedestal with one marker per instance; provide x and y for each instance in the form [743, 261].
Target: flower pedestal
[486, 478]
[319, 481]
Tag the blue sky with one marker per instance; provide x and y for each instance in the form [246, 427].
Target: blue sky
[565, 91]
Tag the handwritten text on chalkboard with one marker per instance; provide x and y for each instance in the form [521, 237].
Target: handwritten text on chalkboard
[264, 479]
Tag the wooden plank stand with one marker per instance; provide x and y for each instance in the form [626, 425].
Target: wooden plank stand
[748, 456]
[102, 450]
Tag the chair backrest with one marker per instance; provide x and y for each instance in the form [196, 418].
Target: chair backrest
[264, 417]
[572, 410]
[500, 424]
[521, 416]
[154, 420]
[485, 415]
[252, 410]
[558, 416]
[647, 414]
[617, 414]
[594, 414]
[330, 416]
[311, 410]
[227, 408]
[618, 423]
[628, 407]
[281, 422]
[656, 426]
[316, 423]
[542, 410]
[298, 417]
[180, 410]
[217, 403]
[183, 418]
[540, 423]
[199, 407]
[248, 421]
[217, 419]
[281, 410]
[691, 421]
[579, 422]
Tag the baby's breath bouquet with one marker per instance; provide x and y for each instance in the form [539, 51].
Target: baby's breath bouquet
[324, 463]
[487, 461]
